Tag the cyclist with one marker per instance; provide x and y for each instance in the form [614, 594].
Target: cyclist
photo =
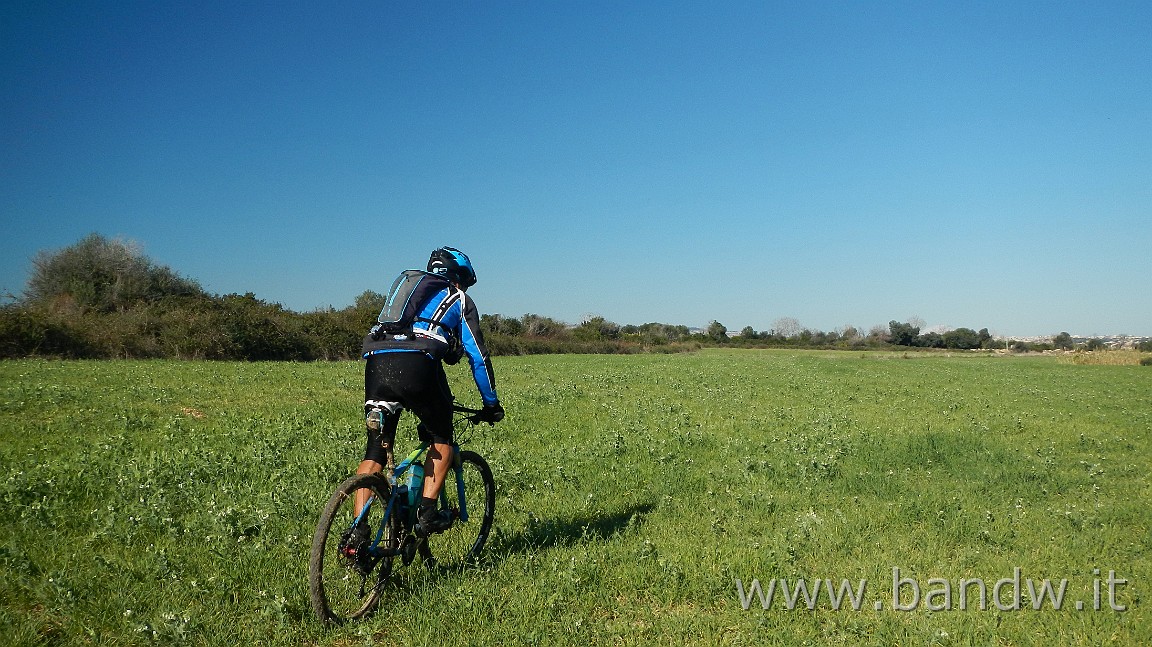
[405, 370]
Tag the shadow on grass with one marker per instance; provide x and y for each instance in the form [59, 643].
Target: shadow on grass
[548, 533]
[541, 534]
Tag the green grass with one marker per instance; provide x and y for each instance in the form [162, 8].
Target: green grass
[174, 502]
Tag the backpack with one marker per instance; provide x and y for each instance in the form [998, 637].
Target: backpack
[409, 293]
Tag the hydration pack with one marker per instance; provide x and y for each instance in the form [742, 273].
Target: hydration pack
[410, 293]
[411, 290]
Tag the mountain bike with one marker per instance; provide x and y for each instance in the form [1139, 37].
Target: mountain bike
[348, 567]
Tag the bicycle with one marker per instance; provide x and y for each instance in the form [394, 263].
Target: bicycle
[343, 560]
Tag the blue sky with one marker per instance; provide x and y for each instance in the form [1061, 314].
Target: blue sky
[968, 164]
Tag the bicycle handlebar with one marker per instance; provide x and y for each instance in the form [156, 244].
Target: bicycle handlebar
[475, 416]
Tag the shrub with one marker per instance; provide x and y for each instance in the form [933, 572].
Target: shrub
[1108, 358]
[34, 331]
[104, 275]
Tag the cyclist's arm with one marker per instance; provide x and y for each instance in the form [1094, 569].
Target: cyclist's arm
[473, 343]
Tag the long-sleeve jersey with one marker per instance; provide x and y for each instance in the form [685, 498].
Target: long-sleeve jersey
[458, 327]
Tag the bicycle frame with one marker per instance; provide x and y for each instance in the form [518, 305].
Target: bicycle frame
[398, 476]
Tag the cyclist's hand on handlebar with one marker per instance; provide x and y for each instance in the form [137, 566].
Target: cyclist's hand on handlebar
[492, 413]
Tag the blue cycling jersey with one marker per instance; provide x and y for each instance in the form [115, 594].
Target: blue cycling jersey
[447, 322]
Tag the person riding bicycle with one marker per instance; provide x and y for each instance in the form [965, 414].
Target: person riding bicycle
[404, 370]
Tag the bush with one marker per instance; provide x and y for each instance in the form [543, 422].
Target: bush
[35, 331]
[104, 275]
[1108, 358]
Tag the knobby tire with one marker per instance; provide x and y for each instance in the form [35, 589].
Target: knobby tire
[338, 586]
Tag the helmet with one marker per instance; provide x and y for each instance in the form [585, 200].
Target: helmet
[454, 265]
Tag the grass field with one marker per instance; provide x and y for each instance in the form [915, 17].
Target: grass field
[639, 498]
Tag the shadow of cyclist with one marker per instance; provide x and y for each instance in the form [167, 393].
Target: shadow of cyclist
[540, 534]
[548, 533]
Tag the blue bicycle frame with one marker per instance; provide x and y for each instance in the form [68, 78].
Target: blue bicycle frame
[398, 474]
[397, 477]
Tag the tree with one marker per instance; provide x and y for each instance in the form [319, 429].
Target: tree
[878, 334]
[903, 334]
[537, 326]
[1063, 341]
[786, 327]
[931, 340]
[658, 333]
[501, 325]
[962, 338]
[717, 332]
[985, 338]
[102, 275]
[368, 305]
[848, 333]
[597, 329]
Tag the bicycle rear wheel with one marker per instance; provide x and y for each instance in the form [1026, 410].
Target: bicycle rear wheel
[461, 544]
[341, 566]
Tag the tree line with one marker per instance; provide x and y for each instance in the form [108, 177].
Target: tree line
[102, 298]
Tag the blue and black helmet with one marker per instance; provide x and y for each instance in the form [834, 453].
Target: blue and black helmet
[454, 265]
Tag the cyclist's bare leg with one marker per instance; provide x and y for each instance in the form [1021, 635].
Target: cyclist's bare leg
[366, 467]
[436, 468]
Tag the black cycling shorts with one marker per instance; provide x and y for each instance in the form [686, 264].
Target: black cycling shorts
[416, 381]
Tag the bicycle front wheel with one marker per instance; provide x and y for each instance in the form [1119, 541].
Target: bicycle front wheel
[348, 565]
[461, 544]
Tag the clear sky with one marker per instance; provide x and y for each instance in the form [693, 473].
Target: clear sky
[967, 164]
